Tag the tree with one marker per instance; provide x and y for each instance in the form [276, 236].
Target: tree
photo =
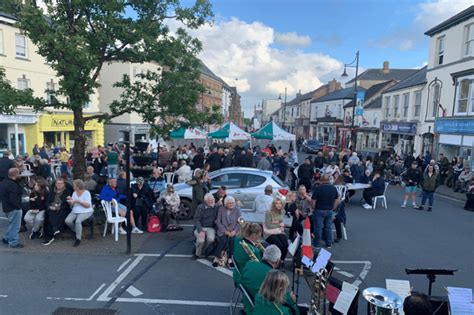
[77, 37]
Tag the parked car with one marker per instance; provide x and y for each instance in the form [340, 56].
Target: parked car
[311, 146]
[242, 183]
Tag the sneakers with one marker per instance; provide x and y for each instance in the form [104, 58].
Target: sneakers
[420, 208]
[56, 232]
[430, 209]
[404, 205]
[136, 230]
[122, 231]
[367, 206]
[48, 242]
[77, 242]
[414, 206]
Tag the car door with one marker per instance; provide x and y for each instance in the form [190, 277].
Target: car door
[232, 181]
[253, 185]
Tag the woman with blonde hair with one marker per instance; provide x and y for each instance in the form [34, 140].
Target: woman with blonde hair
[271, 297]
[274, 228]
[81, 204]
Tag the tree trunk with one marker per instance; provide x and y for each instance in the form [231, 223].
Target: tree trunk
[79, 150]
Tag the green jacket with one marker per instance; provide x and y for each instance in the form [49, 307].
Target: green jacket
[429, 183]
[263, 307]
[240, 256]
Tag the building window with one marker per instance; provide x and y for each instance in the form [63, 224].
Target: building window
[440, 50]
[406, 101]
[465, 96]
[396, 102]
[23, 83]
[21, 49]
[417, 104]
[50, 88]
[1, 41]
[387, 106]
[469, 42]
[435, 99]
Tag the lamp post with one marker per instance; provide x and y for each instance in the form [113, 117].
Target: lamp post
[284, 110]
[354, 100]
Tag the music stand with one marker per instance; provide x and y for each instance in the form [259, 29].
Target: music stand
[431, 274]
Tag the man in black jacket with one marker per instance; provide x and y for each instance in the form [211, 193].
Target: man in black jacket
[10, 194]
[377, 189]
[5, 165]
[198, 159]
[214, 160]
[305, 173]
[204, 226]
[411, 179]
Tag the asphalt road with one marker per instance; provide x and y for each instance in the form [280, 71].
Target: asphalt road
[161, 278]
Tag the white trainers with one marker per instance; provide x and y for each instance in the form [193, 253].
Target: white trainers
[122, 231]
[415, 206]
[137, 231]
[367, 206]
[404, 205]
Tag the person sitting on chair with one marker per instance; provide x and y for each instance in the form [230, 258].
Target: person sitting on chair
[109, 193]
[249, 236]
[81, 204]
[142, 201]
[204, 224]
[271, 298]
[263, 202]
[470, 197]
[169, 203]
[274, 228]
[227, 228]
[57, 209]
[377, 189]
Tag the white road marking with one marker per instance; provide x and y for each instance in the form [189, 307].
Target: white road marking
[344, 273]
[167, 255]
[123, 264]
[120, 278]
[221, 269]
[96, 292]
[174, 302]
[363, 274]
[3, 296]
[78, 299]
[134, 291]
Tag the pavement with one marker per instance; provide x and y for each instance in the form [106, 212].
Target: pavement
[160, 277]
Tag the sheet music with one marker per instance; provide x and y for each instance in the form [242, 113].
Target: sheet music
[460, 301]
[321, 261]
[306, 261]
[345, 298]
[294, 246]
[399, 287]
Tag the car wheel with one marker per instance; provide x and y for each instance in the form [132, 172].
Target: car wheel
[185, 210]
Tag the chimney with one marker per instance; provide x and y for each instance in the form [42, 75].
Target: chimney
[386, 67]
[332, 85]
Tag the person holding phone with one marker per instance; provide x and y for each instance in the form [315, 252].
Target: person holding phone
[35, 216]
[81, 204]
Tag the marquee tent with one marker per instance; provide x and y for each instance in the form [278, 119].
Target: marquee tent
[230, 132]
[272, 131]
[188, 134]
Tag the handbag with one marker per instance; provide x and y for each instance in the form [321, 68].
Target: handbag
[154, 224]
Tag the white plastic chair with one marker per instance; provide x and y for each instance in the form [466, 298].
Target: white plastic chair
[341, 190]
[115, 221]
[381, 197]
[161, 170]
[169, 178]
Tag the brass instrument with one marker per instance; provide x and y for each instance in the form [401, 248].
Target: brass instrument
[245, 246]
[318, 292]
[382, 301]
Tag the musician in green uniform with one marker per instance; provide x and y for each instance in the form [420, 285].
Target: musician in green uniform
[247, 246]
[254, 274]
[272, 296]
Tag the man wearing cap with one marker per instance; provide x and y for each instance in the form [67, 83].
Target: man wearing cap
[263, 202]
[142, 201]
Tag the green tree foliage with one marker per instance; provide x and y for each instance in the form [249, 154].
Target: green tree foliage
[78, 37]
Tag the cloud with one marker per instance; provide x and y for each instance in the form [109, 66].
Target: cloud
[246, 51]
[432, 12]
[292, 39]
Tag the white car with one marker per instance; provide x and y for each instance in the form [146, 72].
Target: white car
[243, 183]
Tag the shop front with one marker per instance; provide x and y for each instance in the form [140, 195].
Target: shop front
[12, 132]
[57, 130]
[455, 136]
[367, 138]
[400, 136]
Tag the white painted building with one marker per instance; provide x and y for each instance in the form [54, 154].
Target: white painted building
[449, 114]
[269, 106]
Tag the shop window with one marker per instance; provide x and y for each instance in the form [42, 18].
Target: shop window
[406, 98]
[440, 50]
[469, 42]
[465, 96]
[50, 88]
[417, 104]
[20, 46]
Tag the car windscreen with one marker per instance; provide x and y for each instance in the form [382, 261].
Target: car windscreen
[278, 181]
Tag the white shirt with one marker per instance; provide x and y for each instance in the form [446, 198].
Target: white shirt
[84, 198]
[184, 173]
[262, 203]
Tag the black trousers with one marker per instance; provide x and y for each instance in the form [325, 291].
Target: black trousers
[226, 243]
[54, 221]
[296, 227]
[141, 212]
[338, 224]
[369, 193]
[281, 241]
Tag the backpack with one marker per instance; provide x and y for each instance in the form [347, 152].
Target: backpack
[154, 224]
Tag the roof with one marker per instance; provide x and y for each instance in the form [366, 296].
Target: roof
[375, 103]
[205, 70]
[7, 15]
[452, 21]
[418, 78]
[346, 93]
[380, 75]
[372, 91]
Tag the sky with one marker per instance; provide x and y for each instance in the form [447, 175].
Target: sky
[265, 46]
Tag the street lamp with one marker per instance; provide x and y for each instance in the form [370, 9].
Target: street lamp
[354, 101]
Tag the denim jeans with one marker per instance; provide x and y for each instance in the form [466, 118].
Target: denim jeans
[112, 171]
[427, 195]
[14, 219]
[322, 224]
